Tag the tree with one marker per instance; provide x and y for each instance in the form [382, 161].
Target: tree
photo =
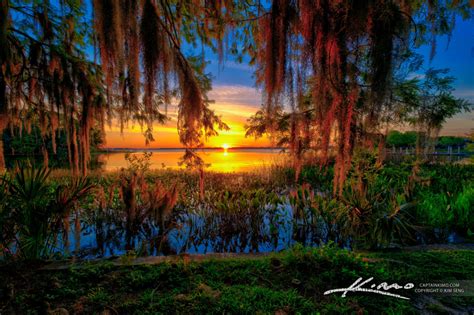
[150, 35]
[343, 53]
[19, 142]
[449, 141]
[426, 103]
[45, 75]
[401, 139]
[292, 130]
[49, 73]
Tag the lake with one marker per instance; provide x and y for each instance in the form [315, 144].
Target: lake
[220, 160]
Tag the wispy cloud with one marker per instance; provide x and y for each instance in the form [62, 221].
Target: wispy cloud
[414, 75]
[236, 94]
[235, 103]
[233, 65]
[465, 93]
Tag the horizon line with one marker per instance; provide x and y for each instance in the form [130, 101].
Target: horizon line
[196, 148]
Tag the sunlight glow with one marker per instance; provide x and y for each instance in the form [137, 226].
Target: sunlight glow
[225, 146]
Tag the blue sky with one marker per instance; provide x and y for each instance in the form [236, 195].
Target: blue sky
[457, 54]
[236, 97]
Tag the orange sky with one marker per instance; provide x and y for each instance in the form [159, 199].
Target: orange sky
[235, 103]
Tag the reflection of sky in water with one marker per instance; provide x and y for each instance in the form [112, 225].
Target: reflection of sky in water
[230, 160]
[183, 239]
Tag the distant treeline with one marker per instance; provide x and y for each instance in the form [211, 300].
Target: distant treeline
[408, 139]
[28, 144]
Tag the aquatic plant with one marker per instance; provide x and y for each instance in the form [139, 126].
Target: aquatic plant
[395, 205]
[315, 216]
[233, 221]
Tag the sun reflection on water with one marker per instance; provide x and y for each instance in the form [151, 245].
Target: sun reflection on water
[223, 160]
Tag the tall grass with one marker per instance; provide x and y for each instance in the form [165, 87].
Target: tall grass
[162, 211]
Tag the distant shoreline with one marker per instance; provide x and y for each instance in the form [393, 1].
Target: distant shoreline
[118, 150]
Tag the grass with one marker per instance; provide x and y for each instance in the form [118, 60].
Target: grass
[291, 282]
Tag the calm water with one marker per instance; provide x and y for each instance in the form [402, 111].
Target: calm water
[108, 233]
[231, 160]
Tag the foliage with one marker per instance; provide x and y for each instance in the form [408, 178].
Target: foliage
[46, 77]
[446, 213]
[376, 211]
[138, 164]
[436, 102]
[232, 221]
[344, 62]
[317, 213]
[463, 220]
[401, 139]
[21, 145]
[34, 211]
[162, 212]
[149, 36]
[426, 102]
[449, 141]
[292, 281]
[136, 208]
[318, 178]
[409, 138]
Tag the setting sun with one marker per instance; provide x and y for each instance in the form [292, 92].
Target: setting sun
[225, 146]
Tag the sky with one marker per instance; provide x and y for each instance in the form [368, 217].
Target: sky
[236, 97]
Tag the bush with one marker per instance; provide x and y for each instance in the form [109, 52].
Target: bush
[33, 211]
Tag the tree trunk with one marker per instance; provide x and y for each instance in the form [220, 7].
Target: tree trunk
[2, 157]
[3, 116]
[381, 149]
[3, 125]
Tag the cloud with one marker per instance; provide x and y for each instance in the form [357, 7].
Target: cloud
[236, 94]
[232, 65]
[235, 103]
[414, 75]
[459, 125]
[238, 66]
[465, 93]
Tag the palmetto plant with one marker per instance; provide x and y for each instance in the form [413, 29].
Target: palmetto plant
[7, 233]
[376, 217]
[29, 189]
[38, 209]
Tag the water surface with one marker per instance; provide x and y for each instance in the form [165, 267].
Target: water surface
[219, 160]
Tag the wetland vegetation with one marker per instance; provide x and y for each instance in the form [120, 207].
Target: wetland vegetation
[352, 197]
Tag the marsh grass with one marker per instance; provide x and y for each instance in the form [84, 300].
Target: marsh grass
[163, 211]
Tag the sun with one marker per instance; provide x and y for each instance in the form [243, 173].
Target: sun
[225, 146]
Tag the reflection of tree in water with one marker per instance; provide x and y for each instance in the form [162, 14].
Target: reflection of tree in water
[134, 216]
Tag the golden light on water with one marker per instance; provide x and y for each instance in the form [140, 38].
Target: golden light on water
[235, 160]
[225, 146]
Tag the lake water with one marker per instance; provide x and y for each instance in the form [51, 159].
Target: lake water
[220, 160]
[201, 230]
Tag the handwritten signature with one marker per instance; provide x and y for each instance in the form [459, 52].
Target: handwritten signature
[357, 286]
